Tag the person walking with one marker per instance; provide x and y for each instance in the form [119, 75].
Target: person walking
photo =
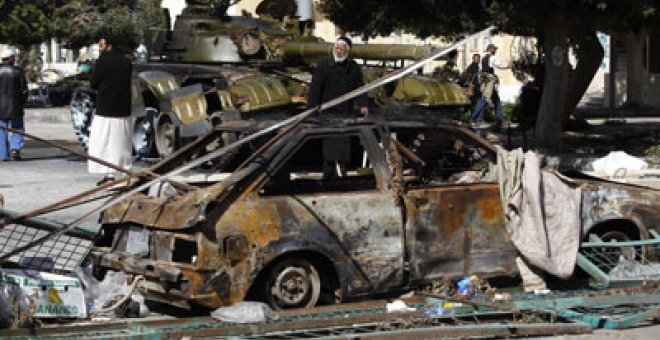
[333, 77]
[490, 83]
[471, 79]
[112, 126]
[13, 95]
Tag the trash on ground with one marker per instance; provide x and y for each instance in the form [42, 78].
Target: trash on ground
[398, 306]
[105, 296]
[467, 287]
[438, 310]
[616, 163]
[627, 269]
[245, 312]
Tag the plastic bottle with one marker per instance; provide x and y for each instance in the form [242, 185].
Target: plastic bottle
[467, 286]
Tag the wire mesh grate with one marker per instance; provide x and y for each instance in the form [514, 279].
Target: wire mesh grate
[626, 261]
[61, 254]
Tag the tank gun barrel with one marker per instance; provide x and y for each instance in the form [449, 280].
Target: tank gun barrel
[379, 52]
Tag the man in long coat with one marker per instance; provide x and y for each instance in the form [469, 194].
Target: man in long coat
[112, 126]
[333, 77]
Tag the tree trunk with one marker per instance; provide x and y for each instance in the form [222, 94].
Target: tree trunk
[590, 55]
[634, 43]
[553, 100]
[49, 51]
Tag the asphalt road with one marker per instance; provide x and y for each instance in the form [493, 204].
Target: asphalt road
[47, 174]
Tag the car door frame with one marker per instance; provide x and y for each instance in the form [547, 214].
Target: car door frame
[382, 177]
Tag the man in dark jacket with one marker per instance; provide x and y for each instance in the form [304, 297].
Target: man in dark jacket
[471, 79]
[489, 85]
[112, 126]
[13, 94]
[335, 76]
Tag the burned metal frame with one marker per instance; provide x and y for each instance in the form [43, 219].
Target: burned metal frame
[235, 207]
[294, 121]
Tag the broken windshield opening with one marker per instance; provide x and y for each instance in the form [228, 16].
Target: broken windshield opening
[324, 164]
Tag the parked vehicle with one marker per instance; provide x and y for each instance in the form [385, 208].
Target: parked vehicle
[213, 68]
[400, 205]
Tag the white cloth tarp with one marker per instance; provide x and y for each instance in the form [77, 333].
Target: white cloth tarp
[542, 212]
[110, 139]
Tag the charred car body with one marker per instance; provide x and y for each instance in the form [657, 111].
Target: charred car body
[402, 204]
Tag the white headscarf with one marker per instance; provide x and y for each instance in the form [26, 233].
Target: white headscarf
[340, 41]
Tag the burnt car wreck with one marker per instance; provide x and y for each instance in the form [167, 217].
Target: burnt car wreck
[333, 210]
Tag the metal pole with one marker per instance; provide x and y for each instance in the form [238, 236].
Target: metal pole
[400, 73]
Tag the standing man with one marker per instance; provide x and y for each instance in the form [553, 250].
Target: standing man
[471, 79]
[112, 126]
[13, 95]
[333, 77]
[305, 16]
[490, 83]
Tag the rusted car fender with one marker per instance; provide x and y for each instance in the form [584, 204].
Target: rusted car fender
[609, 207]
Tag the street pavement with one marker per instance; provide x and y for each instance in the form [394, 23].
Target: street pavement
[47, 174]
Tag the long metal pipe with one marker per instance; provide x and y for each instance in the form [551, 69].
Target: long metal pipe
[381, 52]
[397, 74]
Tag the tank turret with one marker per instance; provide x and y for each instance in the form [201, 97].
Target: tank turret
[202, 34]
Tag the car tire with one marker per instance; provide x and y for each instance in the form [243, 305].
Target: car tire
[143, 133]
[292, 283]
[82, 111]
[165, 136]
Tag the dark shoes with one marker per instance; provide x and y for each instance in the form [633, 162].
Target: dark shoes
[16, 155]
[105, 180]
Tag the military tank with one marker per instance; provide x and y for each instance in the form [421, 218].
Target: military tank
[214, 68]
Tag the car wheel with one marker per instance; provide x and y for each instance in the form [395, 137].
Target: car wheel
[165, 136]
[293, 283]
[610, 256]
[82, 112]
[615, 236]
[143, 133]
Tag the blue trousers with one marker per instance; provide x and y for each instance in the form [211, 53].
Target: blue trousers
[16, 141]
[481, 107]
